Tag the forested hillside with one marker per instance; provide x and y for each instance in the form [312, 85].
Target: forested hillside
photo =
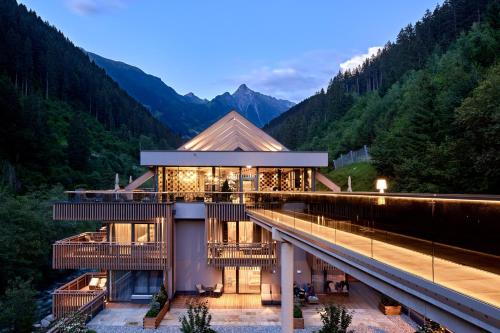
[64, 124]
[427, 104]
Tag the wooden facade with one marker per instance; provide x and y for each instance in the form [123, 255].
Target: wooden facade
[89, 250]
[76, 296]
[225, 211]
[264, 255]
[111, 211]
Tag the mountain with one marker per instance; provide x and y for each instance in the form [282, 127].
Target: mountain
[64, 120]
[189, 114]
[425, 105]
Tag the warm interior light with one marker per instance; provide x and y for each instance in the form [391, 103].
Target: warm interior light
[381, 185]
[248, 167]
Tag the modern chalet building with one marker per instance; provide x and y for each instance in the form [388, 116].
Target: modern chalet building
[191, 227]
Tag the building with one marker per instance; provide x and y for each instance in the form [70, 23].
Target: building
[191, 226]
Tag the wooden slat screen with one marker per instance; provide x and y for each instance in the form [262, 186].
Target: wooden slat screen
[73, 296]
[110, 256]
[226, 211]
[110, 211]
[264, 255]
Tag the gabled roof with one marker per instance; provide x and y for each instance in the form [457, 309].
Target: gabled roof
[233, 132]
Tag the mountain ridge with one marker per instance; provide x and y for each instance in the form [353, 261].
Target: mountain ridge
[189, 114]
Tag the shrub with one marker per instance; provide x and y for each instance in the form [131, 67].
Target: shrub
[152, 313]
[335, 319]
[73, 323]
[197, 318]
[297, 312]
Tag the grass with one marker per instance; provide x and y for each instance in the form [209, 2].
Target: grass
[363, 176]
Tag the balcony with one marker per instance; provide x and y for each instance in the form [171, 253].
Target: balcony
[91, 250]
[262, 255]
[79, 295]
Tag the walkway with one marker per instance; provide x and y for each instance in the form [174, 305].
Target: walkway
[362, 302]
[469, 281]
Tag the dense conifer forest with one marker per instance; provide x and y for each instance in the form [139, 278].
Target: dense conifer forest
[64, 124]
[427, 104]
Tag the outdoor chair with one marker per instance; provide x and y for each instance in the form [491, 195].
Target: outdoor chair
[200, 289]
[94, 282]
[218, 289]
[102, 283]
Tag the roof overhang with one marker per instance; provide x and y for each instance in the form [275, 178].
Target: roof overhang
[234, 158]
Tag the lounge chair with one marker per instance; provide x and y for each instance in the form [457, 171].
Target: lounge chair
[102, 283]
[200, 289]
[218, 289]
[276, 294]
[94, 282]
[265, 294]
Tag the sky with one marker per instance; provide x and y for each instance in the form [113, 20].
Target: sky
[287, 49]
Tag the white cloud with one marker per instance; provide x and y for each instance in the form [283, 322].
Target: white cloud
[293, 79]
[92, 7]
[358, 59]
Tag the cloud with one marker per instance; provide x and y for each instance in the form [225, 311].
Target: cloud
[358, 59]
[93, 7]
[293, 79]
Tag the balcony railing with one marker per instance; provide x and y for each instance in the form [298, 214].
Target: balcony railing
[90, 250]
[77, 295]
[262, 255]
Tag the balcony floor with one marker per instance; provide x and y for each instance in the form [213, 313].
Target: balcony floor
[247, 315]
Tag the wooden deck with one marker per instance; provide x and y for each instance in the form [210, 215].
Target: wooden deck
[226, 301]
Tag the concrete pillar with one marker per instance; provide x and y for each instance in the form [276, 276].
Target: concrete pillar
[286, 287]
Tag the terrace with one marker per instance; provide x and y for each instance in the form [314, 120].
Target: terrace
[263, 255]
[91, 250]
[85, 294]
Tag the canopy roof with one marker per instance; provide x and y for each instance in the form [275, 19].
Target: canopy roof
[233, 132]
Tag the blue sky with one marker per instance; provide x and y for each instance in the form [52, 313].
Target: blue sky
[288, 49]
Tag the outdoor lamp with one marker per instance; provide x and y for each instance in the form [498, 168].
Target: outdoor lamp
[381, 185]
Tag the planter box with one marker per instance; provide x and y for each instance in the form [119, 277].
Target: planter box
[390, 310]
[154, 322]
[298, 323]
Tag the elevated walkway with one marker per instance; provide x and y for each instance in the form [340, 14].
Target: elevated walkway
[459, 296]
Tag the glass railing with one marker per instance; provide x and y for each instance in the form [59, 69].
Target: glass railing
[449, 240]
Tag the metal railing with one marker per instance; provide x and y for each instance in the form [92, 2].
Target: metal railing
[353, 156]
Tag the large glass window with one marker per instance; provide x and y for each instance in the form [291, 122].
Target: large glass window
[130, 285]
[249, 280]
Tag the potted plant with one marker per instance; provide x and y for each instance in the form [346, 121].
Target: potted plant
[158, 309]
[389, 306]
[298, 318]
[335, 319]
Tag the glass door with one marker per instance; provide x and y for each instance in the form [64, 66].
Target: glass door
[249, 280]
[230, 280]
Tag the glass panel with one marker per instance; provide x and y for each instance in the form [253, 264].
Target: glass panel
[230, 280]
[246, 232]
[141, 283]
[120, 285]
[121, 233]
[231, 232]
[141, 233]
[249, 280]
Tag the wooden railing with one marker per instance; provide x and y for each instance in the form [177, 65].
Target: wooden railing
[262, 255]
[78, 252]
[226, 211]
[110, 211]
[76, 296]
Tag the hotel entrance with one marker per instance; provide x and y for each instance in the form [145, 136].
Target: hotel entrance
[242, 280]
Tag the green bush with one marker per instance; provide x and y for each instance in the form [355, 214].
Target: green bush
[197, 318]
[335, 319]
[297, 312]
[152, 313]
